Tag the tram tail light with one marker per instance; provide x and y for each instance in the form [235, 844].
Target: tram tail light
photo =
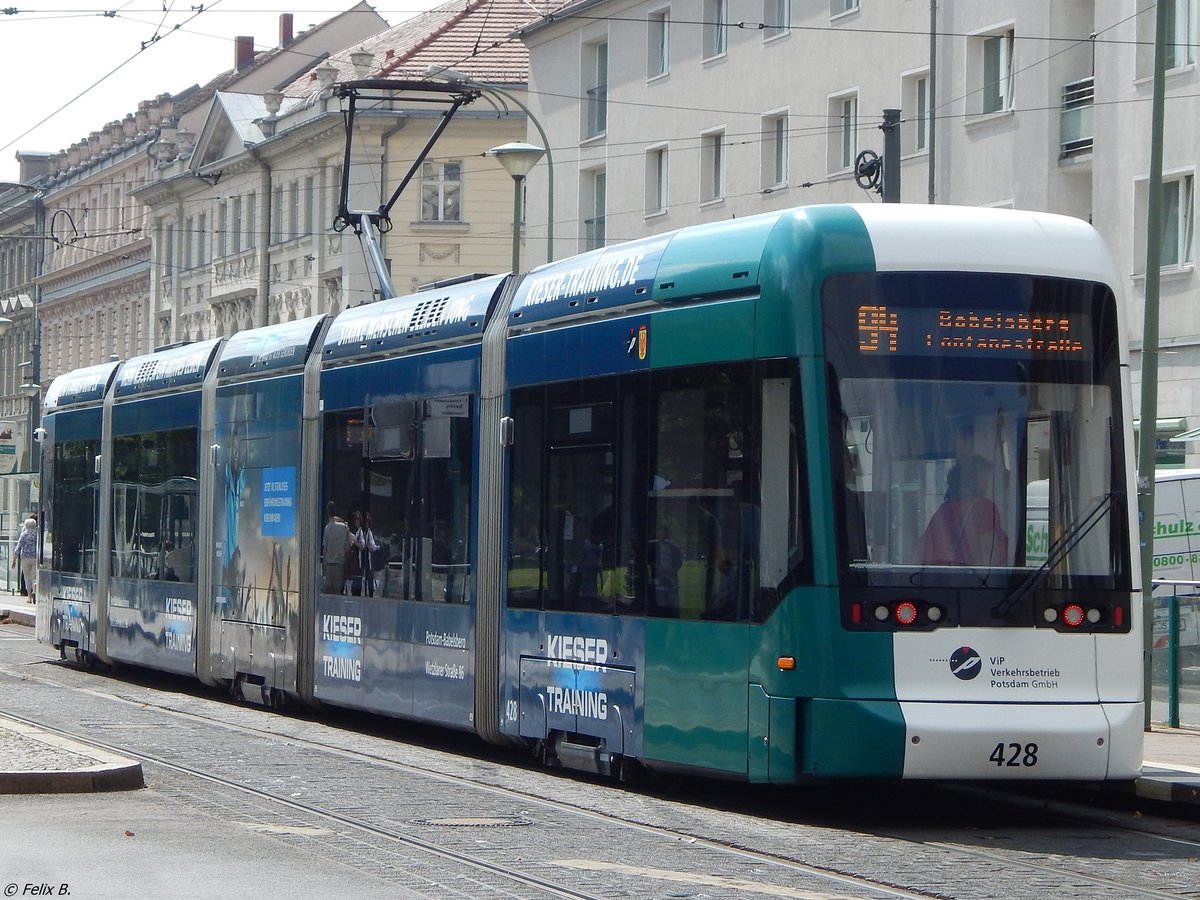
[906, 612]
[1073, 615]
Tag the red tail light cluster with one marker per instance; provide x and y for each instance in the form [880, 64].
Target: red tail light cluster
[1075, 615]
[905, 613]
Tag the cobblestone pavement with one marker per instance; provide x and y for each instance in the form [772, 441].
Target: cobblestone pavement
[420, 786]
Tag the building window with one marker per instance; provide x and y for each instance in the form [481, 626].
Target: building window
[251, 221]
[656, 181]
[1181, 40]
[1178, 211]
[658, 43]
[715, 36]
[1181, 24]
[838, 7]
[294, 209]
[843, 137]
[277, 215]
[914, 131]
[712, 166]
[189, 238]
[596, 201]
[990, 72]
[595, 84]
[441, 187]
[310, 204]
[202, 245]
[222, 229]
[777, 18]
[774, 150]
[235, 226]
[1177, 222]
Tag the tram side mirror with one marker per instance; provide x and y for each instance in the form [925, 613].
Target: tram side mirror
[39, 434]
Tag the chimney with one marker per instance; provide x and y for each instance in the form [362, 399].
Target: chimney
[361, 60]
[285, 29]
[243, 52]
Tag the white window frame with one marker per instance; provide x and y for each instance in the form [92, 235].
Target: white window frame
[777, 19]
[658, 161]
[222, 229]
[715, 33]
[991, 70]
[842, 7]
[843, 131]
[1179, 222]
[658, 43]
[595, 74]
[916, 127]
[593, 232]
[712, 166]
[448, 190]
[1181, 36]
[775, 148]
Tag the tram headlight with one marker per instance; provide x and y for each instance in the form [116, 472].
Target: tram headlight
[1093, 615]
[1050, 615]
[882, 613]
[934, 613]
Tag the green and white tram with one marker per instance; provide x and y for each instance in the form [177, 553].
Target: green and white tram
[748, 499]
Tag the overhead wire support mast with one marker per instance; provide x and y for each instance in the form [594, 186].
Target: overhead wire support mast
[369, 223]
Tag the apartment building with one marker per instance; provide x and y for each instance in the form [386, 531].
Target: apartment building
[665, 113]
[242, 221]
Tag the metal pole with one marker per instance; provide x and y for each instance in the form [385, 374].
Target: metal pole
[1173, 660]
[931, 102]
[483, 86]
[518, 180]
[891, 155]
[1149, 406]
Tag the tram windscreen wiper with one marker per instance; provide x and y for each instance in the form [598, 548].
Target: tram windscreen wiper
[1078, 530]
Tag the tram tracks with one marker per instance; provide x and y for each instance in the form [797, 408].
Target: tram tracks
[783, 865]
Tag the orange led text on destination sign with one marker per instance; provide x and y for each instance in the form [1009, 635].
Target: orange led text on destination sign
[879, 331]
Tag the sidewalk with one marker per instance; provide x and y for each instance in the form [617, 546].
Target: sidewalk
[33, 761]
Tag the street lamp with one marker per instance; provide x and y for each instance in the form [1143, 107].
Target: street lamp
[517, 158]
[442, 73]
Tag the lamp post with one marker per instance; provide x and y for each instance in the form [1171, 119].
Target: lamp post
[517, 158]
[442, 73]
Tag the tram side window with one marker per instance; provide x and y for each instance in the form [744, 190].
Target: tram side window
[74, 507]
[702, 559]
[633, 495]
[413, 478]
[154, 505]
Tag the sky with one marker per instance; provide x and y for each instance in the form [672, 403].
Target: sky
[75, 65]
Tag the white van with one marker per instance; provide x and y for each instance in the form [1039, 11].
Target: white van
[1176, 557]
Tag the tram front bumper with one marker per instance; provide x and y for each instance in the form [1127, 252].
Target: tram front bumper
[1085, 741]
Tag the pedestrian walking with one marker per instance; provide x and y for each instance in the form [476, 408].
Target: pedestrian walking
[25, 553]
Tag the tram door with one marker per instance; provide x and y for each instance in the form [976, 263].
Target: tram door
[418, 495]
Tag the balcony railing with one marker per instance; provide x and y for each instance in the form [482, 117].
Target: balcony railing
[1078, 100]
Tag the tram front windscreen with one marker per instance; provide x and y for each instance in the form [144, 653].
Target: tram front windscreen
[976, 430]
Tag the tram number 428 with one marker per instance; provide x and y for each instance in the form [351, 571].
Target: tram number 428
[1015, 755]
